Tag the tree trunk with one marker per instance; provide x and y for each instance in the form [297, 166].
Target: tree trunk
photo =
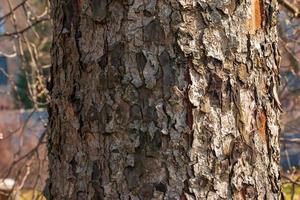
[173, 100]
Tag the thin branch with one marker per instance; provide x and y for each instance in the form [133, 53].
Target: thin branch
[11, 12]
[292, 8]
[26, 28]
[290, 180]
[290, 140]
[29, 154]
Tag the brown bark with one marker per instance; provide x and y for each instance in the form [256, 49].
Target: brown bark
[156, 99]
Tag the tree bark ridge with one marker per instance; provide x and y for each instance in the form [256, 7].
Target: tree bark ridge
[164, 100]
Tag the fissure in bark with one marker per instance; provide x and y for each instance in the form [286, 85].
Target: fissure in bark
[164, 99]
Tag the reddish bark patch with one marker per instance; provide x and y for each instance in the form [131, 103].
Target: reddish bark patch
[80, 3]
[255, 22]
[263, 126]
[258, 13]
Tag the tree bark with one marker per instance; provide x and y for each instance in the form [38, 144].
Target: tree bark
[157, 99]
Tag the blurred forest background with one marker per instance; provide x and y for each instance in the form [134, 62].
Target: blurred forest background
[25, 42]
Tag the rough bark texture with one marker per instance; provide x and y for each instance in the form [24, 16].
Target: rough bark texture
[164, 99]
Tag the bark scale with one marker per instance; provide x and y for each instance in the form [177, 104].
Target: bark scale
[157, 99]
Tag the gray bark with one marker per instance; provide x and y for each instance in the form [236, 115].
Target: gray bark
[164, 99]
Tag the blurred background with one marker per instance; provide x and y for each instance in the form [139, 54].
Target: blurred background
[25, 42]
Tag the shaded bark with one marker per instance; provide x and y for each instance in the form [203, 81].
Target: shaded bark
[164, 100]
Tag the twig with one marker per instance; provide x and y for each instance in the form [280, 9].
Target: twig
[26, 28]
[291, 140]
[12, 10]
[290, 180]
[292, 8]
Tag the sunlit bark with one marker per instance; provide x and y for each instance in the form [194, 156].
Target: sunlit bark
[164, 100]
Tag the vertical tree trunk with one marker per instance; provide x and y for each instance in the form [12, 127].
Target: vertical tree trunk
[164, 99]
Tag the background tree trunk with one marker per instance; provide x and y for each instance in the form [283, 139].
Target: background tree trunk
[156, 99]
